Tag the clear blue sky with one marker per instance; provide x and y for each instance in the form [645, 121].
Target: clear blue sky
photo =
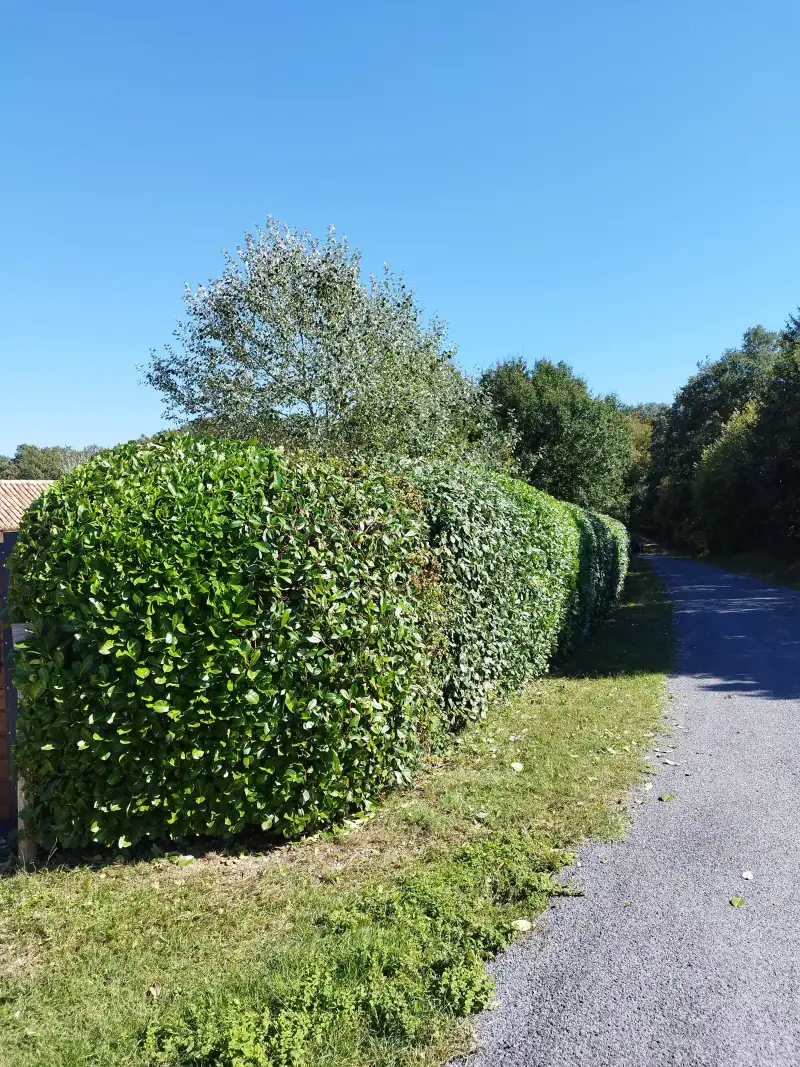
[613, 184]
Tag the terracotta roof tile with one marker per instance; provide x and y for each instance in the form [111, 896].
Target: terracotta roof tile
[15, 496]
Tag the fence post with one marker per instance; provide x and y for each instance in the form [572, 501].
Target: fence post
[26, 847]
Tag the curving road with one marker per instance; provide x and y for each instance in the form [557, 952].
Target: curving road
[654, 967]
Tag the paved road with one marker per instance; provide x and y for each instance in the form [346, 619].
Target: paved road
[653, 967]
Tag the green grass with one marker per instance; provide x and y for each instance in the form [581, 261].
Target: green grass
[363, 947]
[758, 565]
[762, 565]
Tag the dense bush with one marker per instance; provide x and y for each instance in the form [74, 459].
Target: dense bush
[725, 473]
[523, 575]
[775, 450]
[224, 636]
[501, 576]
[221, 638]
[589, 563]
[698, 416]
[602, 565]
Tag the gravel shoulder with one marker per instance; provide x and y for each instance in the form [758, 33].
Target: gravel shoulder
[654, 966]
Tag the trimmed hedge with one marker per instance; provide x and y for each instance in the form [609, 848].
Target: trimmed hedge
[224, 636]
[591, 561]
[525, 576]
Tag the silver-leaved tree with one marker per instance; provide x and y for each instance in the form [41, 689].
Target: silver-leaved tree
[290, 346]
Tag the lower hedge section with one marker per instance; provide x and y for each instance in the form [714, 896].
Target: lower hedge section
[224, 636]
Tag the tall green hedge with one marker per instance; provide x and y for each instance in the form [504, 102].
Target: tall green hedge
[224, 636]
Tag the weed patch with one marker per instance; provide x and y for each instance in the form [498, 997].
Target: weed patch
[386, 966]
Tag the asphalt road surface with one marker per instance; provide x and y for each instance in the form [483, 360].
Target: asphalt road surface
[654, 967]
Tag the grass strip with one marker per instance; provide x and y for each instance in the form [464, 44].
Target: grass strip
[758, 565]
[362, 947]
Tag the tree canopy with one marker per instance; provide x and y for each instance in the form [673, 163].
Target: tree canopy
[775, 456]
[288, 345]
[725, 470]
[32, 462]
[573, 445]
[722, 502]
[698, 416]
[641, 419]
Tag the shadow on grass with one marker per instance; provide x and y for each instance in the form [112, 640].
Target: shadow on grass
[637, 638]
[180, 851]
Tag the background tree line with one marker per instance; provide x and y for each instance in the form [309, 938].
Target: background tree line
[32, 462]
[291, 346]
[724, 470]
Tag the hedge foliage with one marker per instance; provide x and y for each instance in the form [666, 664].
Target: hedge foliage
[524, 575]
[224, 636]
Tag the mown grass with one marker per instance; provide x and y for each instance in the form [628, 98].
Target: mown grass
[356, 948]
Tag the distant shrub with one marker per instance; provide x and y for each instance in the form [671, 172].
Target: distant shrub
[603, 564]
[224, 636]
[588, 560]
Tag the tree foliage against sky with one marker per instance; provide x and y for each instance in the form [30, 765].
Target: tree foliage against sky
[288, 345]
[573, 445]
[32, 462]
[699, 414]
